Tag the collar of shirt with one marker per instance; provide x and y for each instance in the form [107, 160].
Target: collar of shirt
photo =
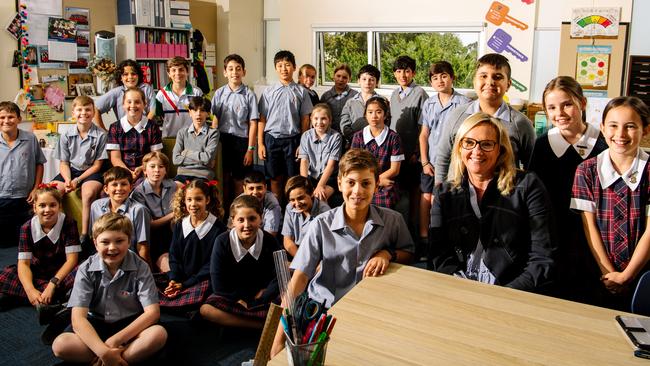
[367, 136]
[240, 90]
[55, 232]
[239, 252]
[203, 130]
[189, 90]
[124, 207]
[20, 137]
[360, 98]
[128, 264]
[278, 85]
[608, 175]
[92, 131]
[503, 113]
[140, 126]
[165, 185]
[583, 146]
[343, 94]
[201, 230]
[456, 99]
[374, 219]
[404, 92]
[325, 138]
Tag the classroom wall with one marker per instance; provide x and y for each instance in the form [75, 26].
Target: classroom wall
[296, 33]
[640, 28]
[241, 31]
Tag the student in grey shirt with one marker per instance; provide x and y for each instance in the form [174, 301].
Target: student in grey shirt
[196, 146]
[491, 82]
[339, 94]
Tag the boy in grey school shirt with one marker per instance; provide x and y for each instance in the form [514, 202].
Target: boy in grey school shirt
[114, 303]
[491, 81]
[196, 147]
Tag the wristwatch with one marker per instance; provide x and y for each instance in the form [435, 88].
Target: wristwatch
[55, 281]
[393, 254]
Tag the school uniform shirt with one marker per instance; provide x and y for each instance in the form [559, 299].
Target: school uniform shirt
[200, 151]
[336, 102]
[434, 115]
[342, 254]
[191, 248]
[134, 142]
[47, 252]
[80, 152]
[238, 274]
[159, 205]
[295, 223]
[319, 151]
[18, 165]
[114, 99]
[283, 107]
[174, 108]
[386, 148]
[405, 110]
[235, 109]
[520, 129]
[113, 298]
[619, 201]
[136, 212]
[353, 115]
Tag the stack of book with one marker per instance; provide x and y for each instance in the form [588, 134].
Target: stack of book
[154, 43]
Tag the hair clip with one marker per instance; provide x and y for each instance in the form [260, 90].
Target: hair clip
[213, 183]
[187, 182]
[46, 185]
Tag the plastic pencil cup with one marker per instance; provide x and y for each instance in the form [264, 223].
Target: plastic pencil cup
[308, 354]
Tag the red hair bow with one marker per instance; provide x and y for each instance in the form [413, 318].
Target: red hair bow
[213, 183]
[46, 185]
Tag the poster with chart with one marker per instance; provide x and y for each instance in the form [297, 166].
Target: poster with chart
[595, 22]
[592, 66]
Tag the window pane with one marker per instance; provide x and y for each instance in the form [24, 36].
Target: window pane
[343, 47]
[458, 48]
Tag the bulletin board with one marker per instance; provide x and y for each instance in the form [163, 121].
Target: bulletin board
[571, 58]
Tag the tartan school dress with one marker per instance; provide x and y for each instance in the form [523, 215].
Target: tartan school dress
[46, 252]
[386, 148]
[134, 142]
[620, 203]
[237, 274]
[189, 262]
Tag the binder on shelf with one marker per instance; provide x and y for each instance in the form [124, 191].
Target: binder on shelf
[125, 11]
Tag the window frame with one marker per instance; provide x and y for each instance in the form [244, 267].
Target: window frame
[374, 47]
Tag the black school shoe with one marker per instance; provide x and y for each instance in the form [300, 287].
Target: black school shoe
[47, 312]
[59, 322]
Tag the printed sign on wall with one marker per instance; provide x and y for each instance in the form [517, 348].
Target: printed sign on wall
[590, 22]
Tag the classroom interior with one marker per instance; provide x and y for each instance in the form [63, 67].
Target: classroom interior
[256, 29]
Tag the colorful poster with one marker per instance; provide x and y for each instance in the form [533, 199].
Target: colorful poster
[39, 111]
[62, 39]
[590, 22]
[592, 66]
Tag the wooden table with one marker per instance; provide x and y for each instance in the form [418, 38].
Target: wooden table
[415, 317]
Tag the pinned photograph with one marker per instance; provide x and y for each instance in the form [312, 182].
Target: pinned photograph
[80, 16]
[86, 89]
[14, 27]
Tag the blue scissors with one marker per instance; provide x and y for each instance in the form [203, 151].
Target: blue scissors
[306, 310]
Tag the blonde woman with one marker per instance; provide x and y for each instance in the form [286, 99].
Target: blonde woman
[491, 222]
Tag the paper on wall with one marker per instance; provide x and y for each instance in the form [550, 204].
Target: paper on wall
[46, 7]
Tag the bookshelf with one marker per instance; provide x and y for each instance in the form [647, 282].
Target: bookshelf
[151, 47]
[638, 83]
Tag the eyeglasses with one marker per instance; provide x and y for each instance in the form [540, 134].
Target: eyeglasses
[485, 145]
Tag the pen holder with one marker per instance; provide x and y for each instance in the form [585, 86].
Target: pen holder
[308, 354]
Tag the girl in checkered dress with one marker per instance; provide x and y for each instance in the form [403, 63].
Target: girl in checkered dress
[48, 251]
[198, 214]
[385, 145]
[611, 190]
[242, 270]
